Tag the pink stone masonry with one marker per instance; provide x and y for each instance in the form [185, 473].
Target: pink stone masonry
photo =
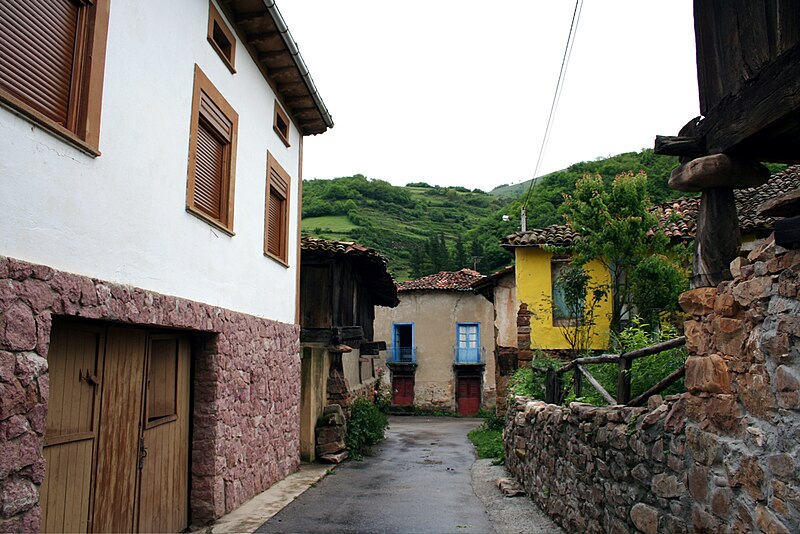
[246, 386]
[722, 457]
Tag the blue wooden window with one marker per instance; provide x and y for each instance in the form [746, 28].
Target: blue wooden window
[403, 343]
[468, 342]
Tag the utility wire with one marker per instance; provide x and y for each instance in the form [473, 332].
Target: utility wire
[573, 30]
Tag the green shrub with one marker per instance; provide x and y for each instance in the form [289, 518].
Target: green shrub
[491, 420]
[488, 438]
[530, 382]
[366, 427]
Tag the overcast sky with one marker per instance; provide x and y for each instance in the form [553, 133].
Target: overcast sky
[457, 92]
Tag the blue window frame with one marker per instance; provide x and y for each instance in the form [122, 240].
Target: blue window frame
[403, 343]
[468, 342]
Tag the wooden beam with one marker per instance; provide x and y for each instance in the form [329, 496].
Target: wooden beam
[787, 233]
[261, 36]
[609, 399]
[277, 71]
[675, 145]
[331, 336]
[372, 348]
[746, 121]
[661, 386]
[272, 54]
[249, 17]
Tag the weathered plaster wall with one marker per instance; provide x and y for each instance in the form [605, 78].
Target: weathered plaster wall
[534, 288]
[722, 457]
[435, 314]
[121, 216]
[246, 387]
[505, 309]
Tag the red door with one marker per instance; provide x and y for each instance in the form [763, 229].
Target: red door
[468, 395]
[403, 387]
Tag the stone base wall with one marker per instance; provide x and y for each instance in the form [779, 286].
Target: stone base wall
[246, 387]
[723, 457]
[598, 469]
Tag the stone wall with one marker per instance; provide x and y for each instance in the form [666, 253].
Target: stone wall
[722, 457]
[246, 387]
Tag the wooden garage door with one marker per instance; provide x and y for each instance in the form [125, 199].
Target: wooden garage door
[117, 430]
[468, 395]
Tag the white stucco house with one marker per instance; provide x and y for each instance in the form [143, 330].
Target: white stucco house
[150, 172]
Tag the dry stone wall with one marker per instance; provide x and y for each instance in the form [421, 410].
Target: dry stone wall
[722, 457]
[246, 387]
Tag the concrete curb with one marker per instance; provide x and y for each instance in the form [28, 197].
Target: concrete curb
[258, 510]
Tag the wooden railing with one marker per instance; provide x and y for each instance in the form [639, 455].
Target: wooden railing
[554, 390]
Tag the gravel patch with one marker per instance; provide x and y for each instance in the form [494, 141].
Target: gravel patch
[508, 515]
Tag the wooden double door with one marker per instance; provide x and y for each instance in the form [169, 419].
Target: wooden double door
[117, 437]
[468, 395]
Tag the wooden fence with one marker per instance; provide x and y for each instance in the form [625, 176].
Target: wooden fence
[554, 391]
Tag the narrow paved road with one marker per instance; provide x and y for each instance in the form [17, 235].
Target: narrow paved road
[417, 480]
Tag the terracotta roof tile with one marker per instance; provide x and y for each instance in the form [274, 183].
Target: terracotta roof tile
[457, 281]
[557, 235]
[678, 218]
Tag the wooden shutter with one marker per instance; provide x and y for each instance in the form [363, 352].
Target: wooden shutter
[38, 42]
[212, 168]
[208, 175]
[275, 223]
[276, 219]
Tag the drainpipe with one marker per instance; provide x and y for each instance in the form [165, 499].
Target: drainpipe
[288, 40]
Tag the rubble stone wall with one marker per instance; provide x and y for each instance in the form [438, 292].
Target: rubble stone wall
[722, 457]
[246, 387]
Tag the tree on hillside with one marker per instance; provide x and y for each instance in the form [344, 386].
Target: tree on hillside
[616, 229]
[460, 259]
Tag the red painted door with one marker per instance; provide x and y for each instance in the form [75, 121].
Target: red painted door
[468, 395]
[403, 387]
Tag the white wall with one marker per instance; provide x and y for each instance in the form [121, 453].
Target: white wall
[121, 216]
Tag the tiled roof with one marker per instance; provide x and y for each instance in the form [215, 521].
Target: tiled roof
[678, 218]
[557, 235]
[367, 261]
[457, 281]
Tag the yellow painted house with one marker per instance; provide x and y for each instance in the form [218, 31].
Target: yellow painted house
[537, 268]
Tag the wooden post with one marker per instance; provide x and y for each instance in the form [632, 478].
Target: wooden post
[553, 386]
[717, 240]
[578, 382]
[624, 381]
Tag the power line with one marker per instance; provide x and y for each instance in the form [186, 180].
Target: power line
[573, 30]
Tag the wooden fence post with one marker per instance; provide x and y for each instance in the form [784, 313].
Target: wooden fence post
[553, 386]
[624, 381]
[578, 383]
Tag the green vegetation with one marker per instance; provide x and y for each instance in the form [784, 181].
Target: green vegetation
[419, 228]
[530, 382]
[366, 427]
[409, 224]
[645, 372]
[488, 438]
[616, 229]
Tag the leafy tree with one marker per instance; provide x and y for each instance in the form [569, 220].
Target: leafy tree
[616, 229]
[581, 299]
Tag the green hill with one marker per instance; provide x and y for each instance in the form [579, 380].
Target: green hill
[422, 228]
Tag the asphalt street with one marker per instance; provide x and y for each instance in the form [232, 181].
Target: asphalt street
[419, 480]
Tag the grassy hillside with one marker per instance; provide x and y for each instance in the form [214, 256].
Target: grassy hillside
[405, 223]
[397, 221]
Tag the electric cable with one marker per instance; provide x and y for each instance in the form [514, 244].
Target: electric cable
[573, 30]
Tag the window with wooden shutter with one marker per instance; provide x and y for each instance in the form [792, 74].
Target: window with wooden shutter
[276, 216]
[52, 56]
[212, 152]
